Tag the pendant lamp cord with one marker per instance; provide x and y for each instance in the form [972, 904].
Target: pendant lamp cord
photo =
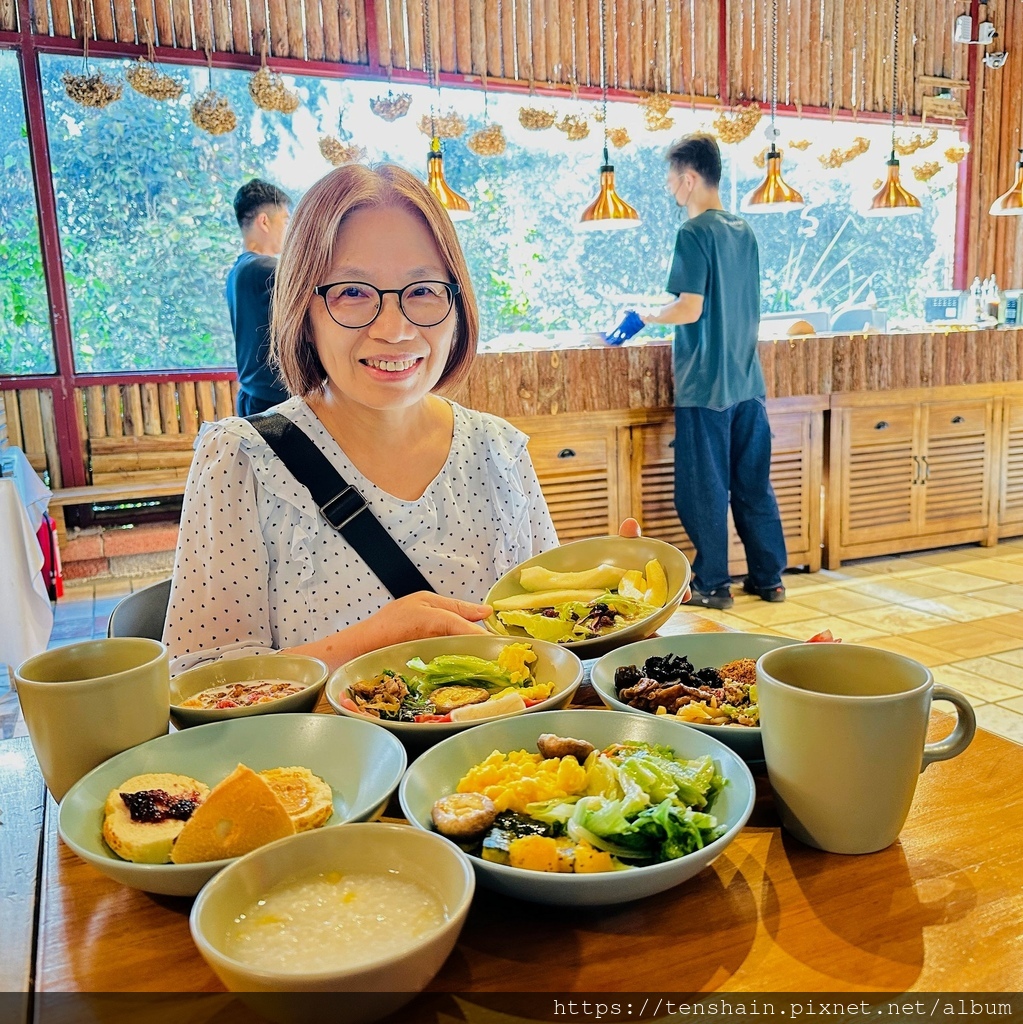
[428, 64]
[603, 71]
[895, 73]
[774, 65]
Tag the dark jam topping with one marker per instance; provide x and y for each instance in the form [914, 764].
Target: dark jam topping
[154, 805]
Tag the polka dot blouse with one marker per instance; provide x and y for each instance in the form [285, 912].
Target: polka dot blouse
[257, 568]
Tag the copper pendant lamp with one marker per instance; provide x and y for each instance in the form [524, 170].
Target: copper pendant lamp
[773, 195]
[458, 207]
[1010, 204]
[608, 212]
[892, 199]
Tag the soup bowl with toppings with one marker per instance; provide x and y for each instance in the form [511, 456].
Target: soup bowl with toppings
[257, 684]
[591, 596]
[426, 690]
[644, 676]
[372, 910]
[581, 807]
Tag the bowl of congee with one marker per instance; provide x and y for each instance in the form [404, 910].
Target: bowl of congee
[591, 596]
[256, 684]
[371, 910]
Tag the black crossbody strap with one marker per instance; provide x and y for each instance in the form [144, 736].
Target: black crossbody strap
[340, 504]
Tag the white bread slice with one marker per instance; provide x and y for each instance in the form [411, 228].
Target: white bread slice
[308, 800]
[240, 814]
[146, 842]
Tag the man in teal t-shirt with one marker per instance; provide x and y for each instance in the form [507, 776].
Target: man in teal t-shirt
[722, 436]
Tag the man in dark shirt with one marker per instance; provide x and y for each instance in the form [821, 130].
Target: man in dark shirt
[263, 211]
[722, 436]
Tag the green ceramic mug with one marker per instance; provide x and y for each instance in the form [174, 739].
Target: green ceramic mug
[845, 740]
[86, 702]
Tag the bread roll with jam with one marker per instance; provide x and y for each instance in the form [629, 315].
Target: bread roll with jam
[308, 800]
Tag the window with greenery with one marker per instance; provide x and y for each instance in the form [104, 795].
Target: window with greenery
[148, 232]
[25, 342]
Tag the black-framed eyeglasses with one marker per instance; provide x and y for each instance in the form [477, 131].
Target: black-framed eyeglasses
[356, 304]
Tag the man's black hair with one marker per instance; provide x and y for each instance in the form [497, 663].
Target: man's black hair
[698, 152]
[253, 196]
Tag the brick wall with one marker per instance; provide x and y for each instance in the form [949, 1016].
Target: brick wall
[118, 550]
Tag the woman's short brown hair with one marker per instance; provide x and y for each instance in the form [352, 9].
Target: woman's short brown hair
[308, 255]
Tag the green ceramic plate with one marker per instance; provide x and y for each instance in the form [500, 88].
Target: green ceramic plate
[626, 552]
[436, 774]
[361, 763]
[703, 650]
[293, 668]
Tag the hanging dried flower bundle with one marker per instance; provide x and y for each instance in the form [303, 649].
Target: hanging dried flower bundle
[618, 137]
[954, 154]
[212, 113]
[735, 125]
[537, 119]
[269, 92]
[339, 153]
[574, 126]
[445, 126]
[801, 144]
[926, 171]
[655, 111]
[907, 147]
[146, 80]
[837, 157]
[489, 141]
[391, 107]
[91, 90]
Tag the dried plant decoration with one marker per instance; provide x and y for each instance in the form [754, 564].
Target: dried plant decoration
[737, 124]
[955, 154]
[145, 79]
[837, 157]
[619, 137]
[450, 125]
[537, 119]
[801, 144]
[391, 106]
[489, 141]
[211, 111]
[926, 171]
[89, 90]
[268, 90]
[575, 127]
[907, 147]
[655, 111]
[339, 149]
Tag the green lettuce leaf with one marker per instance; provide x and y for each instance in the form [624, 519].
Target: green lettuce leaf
[458, 668]
[540, 627]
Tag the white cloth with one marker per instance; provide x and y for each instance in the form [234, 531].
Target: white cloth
[258, 568]
[35, 495]
[26, 617]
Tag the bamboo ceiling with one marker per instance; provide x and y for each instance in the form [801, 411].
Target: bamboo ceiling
[652, 45]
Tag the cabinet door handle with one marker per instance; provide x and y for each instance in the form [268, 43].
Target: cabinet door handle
[881, 425]
[958, 419]
[566, 453]
[927, 469]
[916, 470]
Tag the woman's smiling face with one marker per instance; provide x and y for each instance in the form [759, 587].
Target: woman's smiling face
[391, 362]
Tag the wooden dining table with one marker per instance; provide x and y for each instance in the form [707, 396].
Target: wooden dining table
[938, 911]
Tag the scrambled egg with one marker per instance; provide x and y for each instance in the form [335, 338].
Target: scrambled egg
[519, 778]
[516, 659]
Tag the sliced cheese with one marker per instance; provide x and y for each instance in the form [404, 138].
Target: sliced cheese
[240, 814]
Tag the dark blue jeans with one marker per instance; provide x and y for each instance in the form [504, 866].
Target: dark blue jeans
[722, 455]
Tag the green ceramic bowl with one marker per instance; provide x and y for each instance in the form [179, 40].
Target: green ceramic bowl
[553, 664]
[703, 650]
[292, 668]
[361, 763]
[626, 552]
[436, 773]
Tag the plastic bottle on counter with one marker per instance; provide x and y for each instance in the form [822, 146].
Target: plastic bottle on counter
[975, 309]
[995, 302]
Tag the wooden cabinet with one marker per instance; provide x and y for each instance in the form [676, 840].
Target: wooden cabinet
[599, 468]
[796, 461]
[911, 470]
[1010, 489]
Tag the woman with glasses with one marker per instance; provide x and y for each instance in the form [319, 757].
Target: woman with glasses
[373, 315]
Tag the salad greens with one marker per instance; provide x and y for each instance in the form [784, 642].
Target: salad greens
[579, 620]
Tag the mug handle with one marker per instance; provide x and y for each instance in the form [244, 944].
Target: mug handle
[961, 736]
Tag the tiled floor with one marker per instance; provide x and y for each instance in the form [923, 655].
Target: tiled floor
[958, 610]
